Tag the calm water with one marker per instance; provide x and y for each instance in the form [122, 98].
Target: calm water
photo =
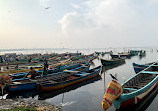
[87, 96]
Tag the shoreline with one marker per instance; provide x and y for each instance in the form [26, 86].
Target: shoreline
[27, 104]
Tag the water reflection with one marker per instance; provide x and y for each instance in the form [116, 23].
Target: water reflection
[142, 56]
[45, 95]
[90, 96]
[22, 94]
[142, 106]
[105, 68]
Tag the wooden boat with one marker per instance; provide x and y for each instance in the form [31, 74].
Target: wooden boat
[27, 84]
[138, 87]
[50, 94]
[144, 104]
[134, 52]
[114, 55]
[23, 85]
[68, 66]
[121, 55]
[102, 53]
[64, 81]
[124, 55]
[142, 54]
[112, 61]
[138, 67]
[80, 67]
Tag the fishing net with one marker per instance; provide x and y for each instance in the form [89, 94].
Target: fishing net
[114, 89]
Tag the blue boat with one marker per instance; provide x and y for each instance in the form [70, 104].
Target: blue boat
[20, 86]
[138, 67]
[132, 91]
[64, 81]
[28, 84]
[68, 66]
[81, 67]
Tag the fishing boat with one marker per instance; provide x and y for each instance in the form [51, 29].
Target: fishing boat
[67, 80]
[121, 55]
[68, 66]
[28, 84]
[137, 87]
[50, 94]
[144, 104]
[102, 53]
[112, 61]
[80, 67]
[124, 54]
[142, 53]
[114, 55]
[134, 52]
[138, 67]
[22, 85]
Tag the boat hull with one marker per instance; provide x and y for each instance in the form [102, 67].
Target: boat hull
[21, 87]
[112, 62]
[135, 99]
[126, 100]
[48, 87]
[138, 67]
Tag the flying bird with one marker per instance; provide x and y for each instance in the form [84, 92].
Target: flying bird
[113, 77]
[47, 8]
[10, 11]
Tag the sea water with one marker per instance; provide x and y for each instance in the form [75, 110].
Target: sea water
[87, 96]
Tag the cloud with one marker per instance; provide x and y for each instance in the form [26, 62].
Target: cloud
[105, 21]
[44, 3]
[75, 6]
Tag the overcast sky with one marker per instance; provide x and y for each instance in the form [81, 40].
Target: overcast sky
[78, 23]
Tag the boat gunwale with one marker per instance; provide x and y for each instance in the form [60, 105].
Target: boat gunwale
[130, 95]
[95, 71]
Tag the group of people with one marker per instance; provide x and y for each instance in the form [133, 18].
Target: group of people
[5, 79]
[34, 73]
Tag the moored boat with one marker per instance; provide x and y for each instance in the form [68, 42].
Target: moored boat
[80, 67]
[114, 55]
[140, 67]
[20, 86]
[134, 52]
[142, 53]
[137, 87]
[68, 80]
[28, 84]
[112, 61]
[124, 55]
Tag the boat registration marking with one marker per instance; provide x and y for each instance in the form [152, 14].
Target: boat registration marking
[13, 86]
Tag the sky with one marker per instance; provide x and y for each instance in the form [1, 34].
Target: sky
[78, 23]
